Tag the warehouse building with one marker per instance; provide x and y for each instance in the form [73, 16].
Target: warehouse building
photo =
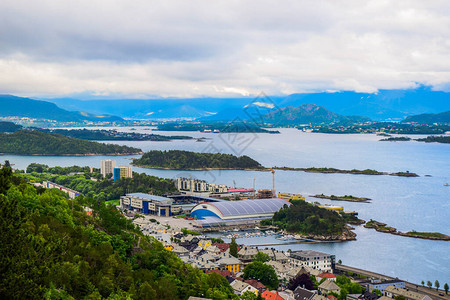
[147, 204]
[162, 206]
[243, 212]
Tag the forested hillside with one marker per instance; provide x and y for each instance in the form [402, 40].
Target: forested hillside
[50, 248]
[33, 142]
[176, 159]
[305, 218]
[102, 189]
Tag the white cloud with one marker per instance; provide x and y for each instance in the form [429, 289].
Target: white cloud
[221, 48]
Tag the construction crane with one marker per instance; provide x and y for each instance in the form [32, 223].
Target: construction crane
[273, 182]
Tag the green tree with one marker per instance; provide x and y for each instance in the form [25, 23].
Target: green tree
[436, 284]
[233, 247]
[446, 288]
[423, 283]
[400, 297]
[248, 295]
[263, 273]
[340, 262]
[262, 257]
[429, 284]
[377, 292]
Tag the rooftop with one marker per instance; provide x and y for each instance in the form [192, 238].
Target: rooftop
[309, 253]
[148, 197]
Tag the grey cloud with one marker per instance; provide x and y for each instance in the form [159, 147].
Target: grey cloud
[221, 48]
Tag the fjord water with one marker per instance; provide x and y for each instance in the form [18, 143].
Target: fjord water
[420, 203]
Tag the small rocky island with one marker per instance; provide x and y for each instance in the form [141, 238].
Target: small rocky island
[382, 227]
[348, 198]
[353, 171]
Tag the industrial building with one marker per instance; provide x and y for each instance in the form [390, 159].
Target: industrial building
[241, 212]
[147, 204]
[161, 206]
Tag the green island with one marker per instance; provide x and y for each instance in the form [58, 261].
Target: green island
[93, 185]
[186, 160]
[354, 171]
[311, 222]
[383, 127]
[33, 142]
[382, 227]
[436, 139]
[349, 198]
[62, 252]
[114, 135]
[226, 127]
[396, 139]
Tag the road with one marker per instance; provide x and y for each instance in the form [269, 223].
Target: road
[410, 286]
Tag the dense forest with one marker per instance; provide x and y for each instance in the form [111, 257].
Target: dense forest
[176, 159]
[9, 127]
[33, 142]
[305, 218]
[101, 189]
[114, 135]
[50, 248]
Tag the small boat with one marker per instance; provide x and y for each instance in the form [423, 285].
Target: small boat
[206, 131]
[446, 184]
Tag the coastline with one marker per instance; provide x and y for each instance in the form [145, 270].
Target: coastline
[342, 198]
[382, 227]
[354, 172]
[87, 154]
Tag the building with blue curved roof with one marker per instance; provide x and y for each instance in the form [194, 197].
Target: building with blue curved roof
[236, 212]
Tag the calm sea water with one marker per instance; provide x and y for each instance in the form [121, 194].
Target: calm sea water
[421, 203]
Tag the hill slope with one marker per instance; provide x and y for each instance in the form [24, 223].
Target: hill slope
[12, 106]
[176, 159]
[441, 118]
[308, 114]
[27, 142]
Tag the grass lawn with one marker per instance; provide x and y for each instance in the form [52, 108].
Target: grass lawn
[113, 202]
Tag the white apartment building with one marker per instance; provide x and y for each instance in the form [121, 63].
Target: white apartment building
[199, 186]
[313, 259]
[107, 167]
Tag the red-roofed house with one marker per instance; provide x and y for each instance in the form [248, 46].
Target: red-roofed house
[224, 246]
[331, 297]
[327, 276]
[268, 295]
[257, 285]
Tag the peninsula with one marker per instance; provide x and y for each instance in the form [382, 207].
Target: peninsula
[33, 142]
[382, 227]
[186, 160]
[311, 222]
[353, 171]
[348, 198]
[114, 135]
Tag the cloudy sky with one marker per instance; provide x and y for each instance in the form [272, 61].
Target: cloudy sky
[143, 48]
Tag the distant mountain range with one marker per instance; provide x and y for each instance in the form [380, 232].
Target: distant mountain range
[440, 118]
[309, 114]
[12, 106]
[384, 105]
